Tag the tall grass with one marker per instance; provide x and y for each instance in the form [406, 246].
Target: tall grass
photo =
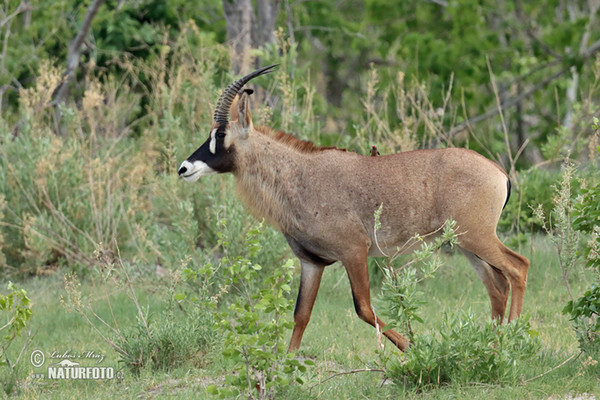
[108, 177]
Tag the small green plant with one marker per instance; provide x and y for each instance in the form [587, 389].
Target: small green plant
[255, 325]
[171, 340]
[585, 315]
[585, 311]
[161, 340]
[560, 227]
[575, 215]
[400, 291]
[15, 314]
[464, 351]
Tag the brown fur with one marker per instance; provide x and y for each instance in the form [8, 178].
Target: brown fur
[292, 142]
[323, 200]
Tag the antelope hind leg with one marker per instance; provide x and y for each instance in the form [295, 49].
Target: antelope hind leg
[497, 285]
[510, 264]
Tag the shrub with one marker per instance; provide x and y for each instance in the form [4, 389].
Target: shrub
[255, 325]
[535, 188]
[64, 197]
[573, 217]
[461, 351]
[585, 315]
[400, 294]
[464, 352]
[15, 315]
[172, 339]
[585, 311]
[109, 177]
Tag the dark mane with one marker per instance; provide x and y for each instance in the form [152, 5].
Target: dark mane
[303, 146]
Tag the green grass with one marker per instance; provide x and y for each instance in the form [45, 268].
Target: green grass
[336, 339]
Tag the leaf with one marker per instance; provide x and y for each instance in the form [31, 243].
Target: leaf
[179, 296]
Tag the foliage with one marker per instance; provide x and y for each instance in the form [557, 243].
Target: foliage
[461, 351]
[17, 307]
[399, 288]
[66, 197]
[585, 315]
[38, 33]
[535, 189]
[586, 218]
[161, 340]
[560, 228]
[255, 325]
[464, 351]
[15, 314]
[172, 339]
[572, 217]
[61, 197]
[446, 46]
[585, 311]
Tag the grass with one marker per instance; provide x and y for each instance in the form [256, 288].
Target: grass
[111, 179]
[336, 339]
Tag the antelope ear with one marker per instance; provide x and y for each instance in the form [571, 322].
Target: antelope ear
[243, 111]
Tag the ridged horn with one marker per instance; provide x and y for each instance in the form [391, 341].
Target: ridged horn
[226, 99]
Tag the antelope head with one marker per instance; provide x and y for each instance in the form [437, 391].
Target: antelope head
[217, 154]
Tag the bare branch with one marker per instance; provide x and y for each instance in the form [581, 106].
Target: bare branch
[354, 371]
[506, 104]
[23, 7]
[504, 128]
[74, 52]
[592, 49]
[576, 356]
[442, 3]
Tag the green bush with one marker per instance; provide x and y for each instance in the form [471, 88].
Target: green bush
[173, 339]
[256, 323]
[585, 315]
[535, 188]
[464, 351]
[65, 197]
[101, 183]
[585, 311]
[15, 316]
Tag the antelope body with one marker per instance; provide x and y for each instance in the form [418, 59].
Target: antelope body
[324, 199]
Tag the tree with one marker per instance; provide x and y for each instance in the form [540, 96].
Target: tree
[249, 27]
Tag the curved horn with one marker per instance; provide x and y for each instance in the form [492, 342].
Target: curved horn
[226, 99]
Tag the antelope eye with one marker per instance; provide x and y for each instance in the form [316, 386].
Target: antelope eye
[220, 134]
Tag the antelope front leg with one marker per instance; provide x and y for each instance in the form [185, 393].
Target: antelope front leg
[358, 273]
[310, 280]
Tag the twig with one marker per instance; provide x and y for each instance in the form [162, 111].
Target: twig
[376, 228]
[23, 7]
[508, 103]
[500, 113]
[354, 371]
[576, 356]
[132, 294]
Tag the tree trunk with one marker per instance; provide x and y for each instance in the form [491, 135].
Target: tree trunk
[239, 18]
[249, 29]
[264, 31]
[73, 60]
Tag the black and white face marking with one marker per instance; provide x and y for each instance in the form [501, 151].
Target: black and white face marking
[211, 158]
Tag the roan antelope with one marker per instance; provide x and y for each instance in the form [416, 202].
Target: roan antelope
[323, 200]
